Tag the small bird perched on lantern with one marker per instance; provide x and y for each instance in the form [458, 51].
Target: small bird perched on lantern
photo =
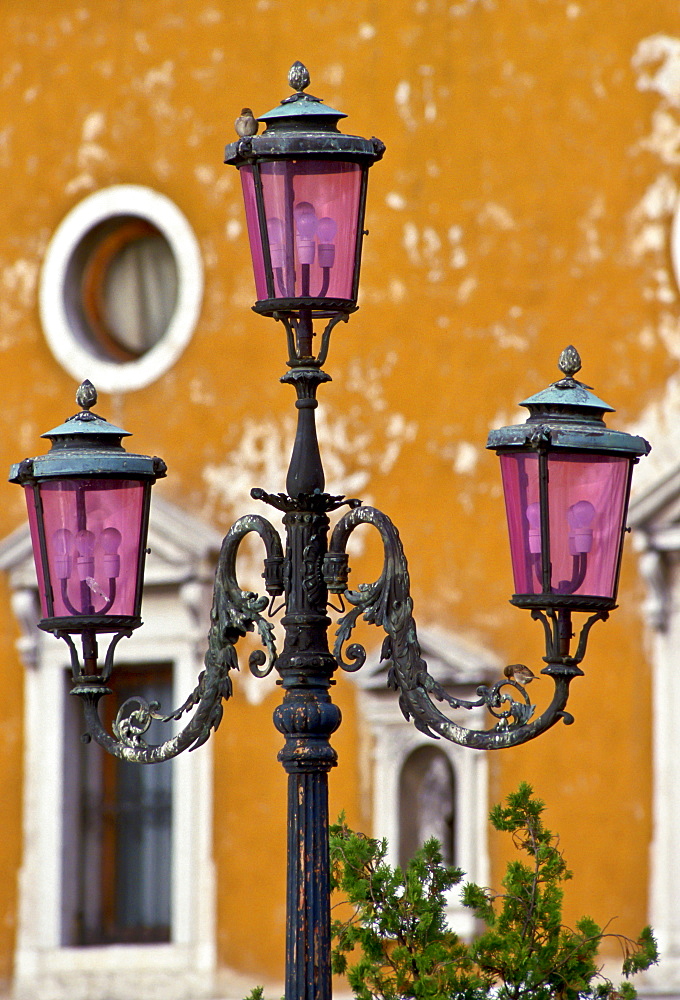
[521, 673]
[246, 123]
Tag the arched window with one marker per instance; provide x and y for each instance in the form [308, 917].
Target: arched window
[427, 803]
[421, 788]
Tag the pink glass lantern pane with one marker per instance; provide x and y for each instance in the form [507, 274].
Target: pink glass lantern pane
[587, 497]
[256, 252]
[92, 537]
[312, 209]
[35, 542]
[519, 472]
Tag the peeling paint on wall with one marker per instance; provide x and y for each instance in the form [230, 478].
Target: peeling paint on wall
[591, 252]
[18, 284]
[467, 6]
[21, 279]
[402, 99]
[354, 446]
[657, 61]
[650, 216]
[497, 215]
[463, 456]
[334, 74]
[424, 248]
[90, 154]
[657, 64]
[394, 200]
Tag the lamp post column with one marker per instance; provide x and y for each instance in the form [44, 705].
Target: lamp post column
[307, 717]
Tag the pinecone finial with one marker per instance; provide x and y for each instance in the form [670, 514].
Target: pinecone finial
[570, 362]
[86, 396]
[298, 77]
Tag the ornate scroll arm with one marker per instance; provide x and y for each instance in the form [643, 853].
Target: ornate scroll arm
[234, 612]
[387, 603]
[131, 724]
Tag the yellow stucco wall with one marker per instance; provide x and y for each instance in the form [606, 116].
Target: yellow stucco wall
[524, 203]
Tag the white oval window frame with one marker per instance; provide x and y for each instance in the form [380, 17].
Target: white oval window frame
[68, 345]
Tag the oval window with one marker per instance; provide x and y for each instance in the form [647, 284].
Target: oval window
[121, 288]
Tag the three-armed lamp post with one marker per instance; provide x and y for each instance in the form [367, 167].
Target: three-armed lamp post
[566, 479]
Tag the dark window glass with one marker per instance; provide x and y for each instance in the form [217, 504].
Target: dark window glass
[121, 288]
[118, 830]
[426, 803]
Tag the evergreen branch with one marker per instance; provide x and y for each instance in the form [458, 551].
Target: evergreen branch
[401, 948]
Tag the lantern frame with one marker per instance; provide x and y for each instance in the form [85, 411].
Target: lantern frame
[86, 449]
[565, 422]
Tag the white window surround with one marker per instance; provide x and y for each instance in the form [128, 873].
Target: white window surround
[675, 245]
[655, 517]
[69, 344]
[460, 668]
[176, 604]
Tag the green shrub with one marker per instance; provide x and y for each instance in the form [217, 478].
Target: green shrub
[399, 947]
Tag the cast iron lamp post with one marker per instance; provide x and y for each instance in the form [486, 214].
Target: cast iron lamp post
[566, 480]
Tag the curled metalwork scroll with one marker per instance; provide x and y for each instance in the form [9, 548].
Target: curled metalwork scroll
[387, 603]
[234, 613]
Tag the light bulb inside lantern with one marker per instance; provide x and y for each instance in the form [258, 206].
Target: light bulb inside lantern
[111, 539]
[85, 559]
[580, 517]
[275, 233]
[62, 546]
[533, 516]
[326, 233]
[327, 229]
[306, 221]
[306, 224]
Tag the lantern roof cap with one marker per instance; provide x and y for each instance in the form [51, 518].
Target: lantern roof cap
[86, 446]
[567, 415]
[300, 104]
[568, 392]
[85, 423]
[302, 126]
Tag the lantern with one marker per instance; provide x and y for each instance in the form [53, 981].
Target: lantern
[304, 188]
[566, 480]
[88, 511]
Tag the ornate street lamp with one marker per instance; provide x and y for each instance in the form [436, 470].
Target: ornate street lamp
[566, 479]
